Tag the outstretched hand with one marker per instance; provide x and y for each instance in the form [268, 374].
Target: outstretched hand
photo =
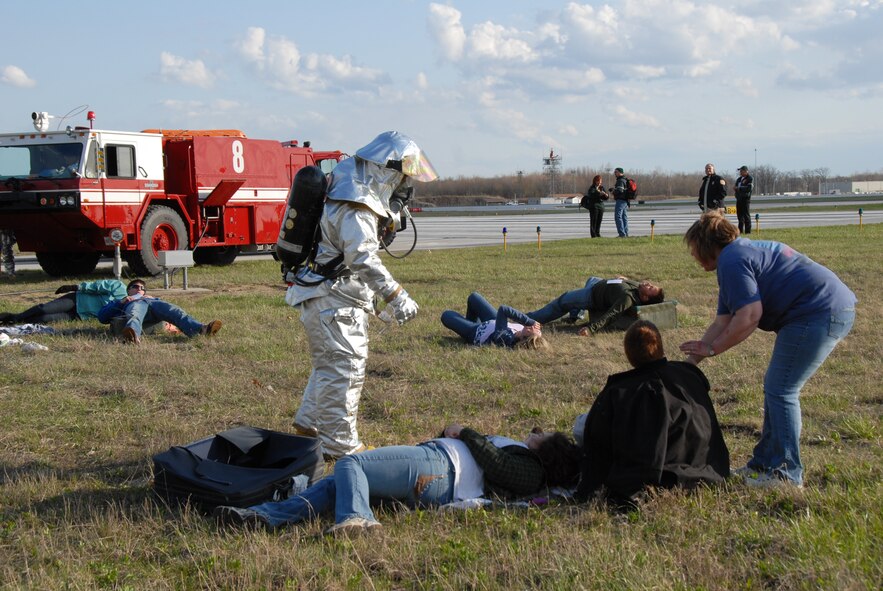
[453, 431]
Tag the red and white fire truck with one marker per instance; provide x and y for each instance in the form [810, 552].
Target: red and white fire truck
[72, 195]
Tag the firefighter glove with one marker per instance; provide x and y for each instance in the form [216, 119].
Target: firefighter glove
[402, 308]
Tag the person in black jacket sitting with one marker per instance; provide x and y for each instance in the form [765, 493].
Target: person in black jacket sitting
[651, 426]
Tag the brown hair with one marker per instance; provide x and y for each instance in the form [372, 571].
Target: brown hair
[596, 180]
[656, 299]
[136, 282]
[643, 343]
[709, 234]
[561, 459]
[533, 342]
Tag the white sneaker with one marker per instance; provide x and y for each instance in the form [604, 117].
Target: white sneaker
[354, 526]
[744, 472]
[769, 480]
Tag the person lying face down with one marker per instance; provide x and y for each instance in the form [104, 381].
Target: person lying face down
[653, 425]
[461, 464]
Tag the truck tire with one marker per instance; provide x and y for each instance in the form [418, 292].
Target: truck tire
[161, 229]
[215, 255]
[68, 264]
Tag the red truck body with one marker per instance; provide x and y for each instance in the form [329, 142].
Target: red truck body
[71, 196]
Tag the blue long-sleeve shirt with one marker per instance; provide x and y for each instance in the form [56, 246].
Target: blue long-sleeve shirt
[503, 335]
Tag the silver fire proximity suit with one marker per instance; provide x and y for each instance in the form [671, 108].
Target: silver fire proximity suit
[334, 311]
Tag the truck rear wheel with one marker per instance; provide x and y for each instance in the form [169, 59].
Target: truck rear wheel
[162, 229]
[66, 264]
[215, 255]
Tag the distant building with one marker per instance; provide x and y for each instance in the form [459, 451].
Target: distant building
[835, 188]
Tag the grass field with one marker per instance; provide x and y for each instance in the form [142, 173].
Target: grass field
[81, 421]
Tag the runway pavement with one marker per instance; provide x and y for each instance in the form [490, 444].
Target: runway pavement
[459, 231]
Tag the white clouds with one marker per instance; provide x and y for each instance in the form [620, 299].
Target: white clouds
[494, 42]
[283, 65]
[190, 72]
[445, 27]
[635, 119]
[15, 76]
[421, 81]
[642, 72]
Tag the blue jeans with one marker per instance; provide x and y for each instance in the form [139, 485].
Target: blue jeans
[153, 310]
[621, 217]
[417, 475]
[478, 310]
[800, 348]
[568, 302]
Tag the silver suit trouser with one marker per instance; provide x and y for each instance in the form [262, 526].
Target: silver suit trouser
[338, 337]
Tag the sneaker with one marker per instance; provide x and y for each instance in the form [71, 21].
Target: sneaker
[744, 472]
[211, 328]
[770, 480]
[130, 336]
[354, 527]
[240, 517]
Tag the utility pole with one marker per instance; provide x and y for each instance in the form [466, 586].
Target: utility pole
[520, 190]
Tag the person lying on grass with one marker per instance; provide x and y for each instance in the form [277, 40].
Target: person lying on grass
[461, 464]
[483, 325]
[653, 425]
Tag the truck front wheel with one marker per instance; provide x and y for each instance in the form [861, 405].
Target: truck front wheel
[162, 229]
[67, 264]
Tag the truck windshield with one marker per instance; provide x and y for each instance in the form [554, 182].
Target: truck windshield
[41, 161]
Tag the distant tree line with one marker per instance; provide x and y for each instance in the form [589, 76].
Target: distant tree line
[653, 184]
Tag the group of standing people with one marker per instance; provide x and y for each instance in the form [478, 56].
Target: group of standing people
[594, 200]
[712, 193]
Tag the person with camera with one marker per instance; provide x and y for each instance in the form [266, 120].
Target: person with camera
[79, 302]
[594, 202]
[459, 465]
[335, 294]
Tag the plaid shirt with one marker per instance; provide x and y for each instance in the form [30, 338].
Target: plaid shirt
[508, 471]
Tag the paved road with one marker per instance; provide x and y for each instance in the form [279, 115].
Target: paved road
[460, 231]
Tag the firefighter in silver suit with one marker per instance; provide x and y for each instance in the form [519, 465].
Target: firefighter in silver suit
[335, 295]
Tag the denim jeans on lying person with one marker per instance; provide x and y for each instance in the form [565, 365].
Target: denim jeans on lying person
[416, 475]
[570, 302]
[153, 310]
[478, 311]
[801, 347]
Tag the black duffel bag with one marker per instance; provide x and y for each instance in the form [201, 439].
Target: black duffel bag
[240, 467]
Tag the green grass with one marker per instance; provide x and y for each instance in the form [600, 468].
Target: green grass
[80, 422]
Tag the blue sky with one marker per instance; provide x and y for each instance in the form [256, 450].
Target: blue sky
[486, 88]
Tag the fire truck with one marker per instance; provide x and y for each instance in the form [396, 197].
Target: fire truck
[71, 196]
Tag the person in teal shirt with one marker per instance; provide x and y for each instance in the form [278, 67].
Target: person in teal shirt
[79, 302]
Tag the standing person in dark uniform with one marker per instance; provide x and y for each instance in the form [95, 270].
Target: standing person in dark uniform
[712, 191]
[743, 187]
[621, 211]
[594, 200]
